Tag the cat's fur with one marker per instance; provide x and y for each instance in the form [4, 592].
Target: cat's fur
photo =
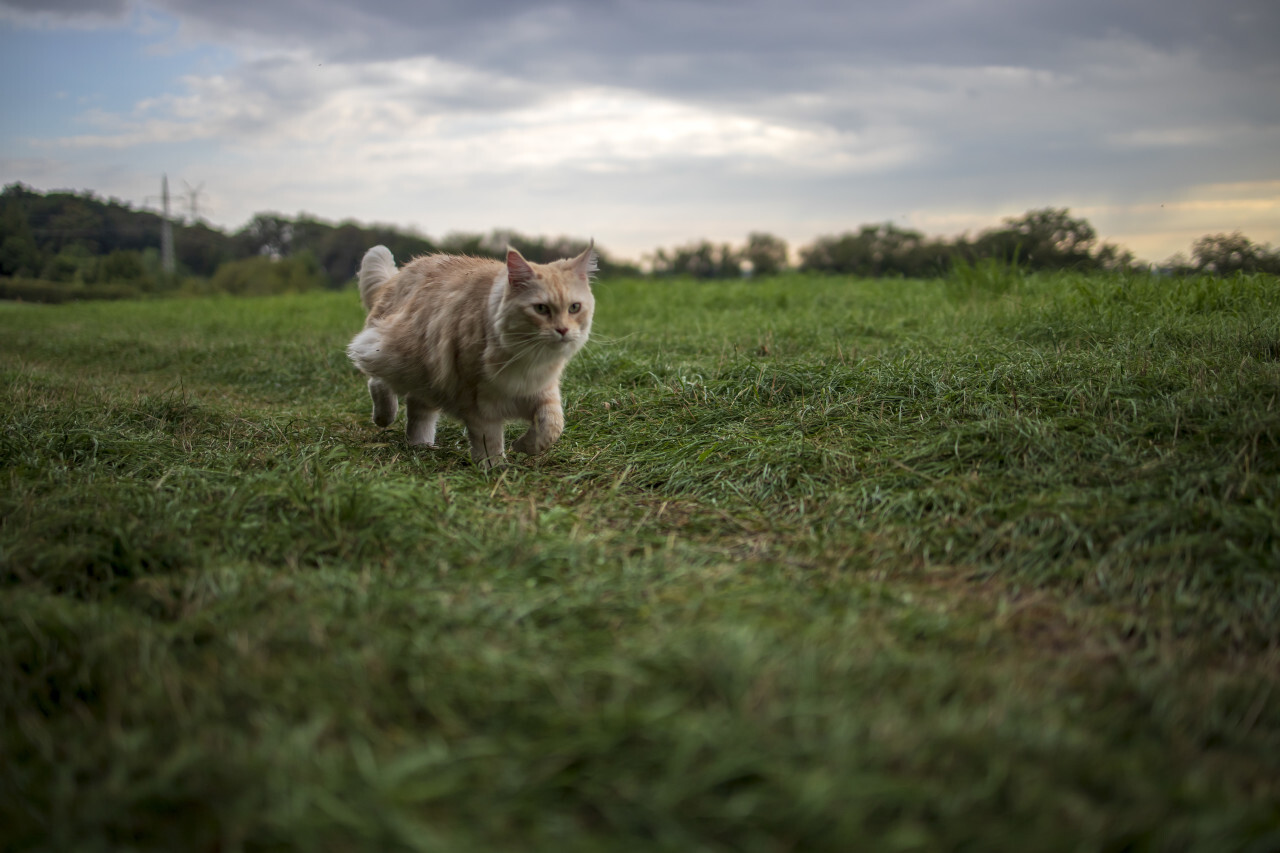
[478, 339]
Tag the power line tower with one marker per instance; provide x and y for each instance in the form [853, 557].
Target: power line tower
[193, 199]
[166, 229]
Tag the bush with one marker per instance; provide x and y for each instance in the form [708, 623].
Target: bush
[264, 276]
[53, 292]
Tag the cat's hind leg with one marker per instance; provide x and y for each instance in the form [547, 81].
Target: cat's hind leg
[486, 442]
[421, 426]
[385, 404]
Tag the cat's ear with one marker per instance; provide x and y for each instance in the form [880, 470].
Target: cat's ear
[585, 264]
[519, 273]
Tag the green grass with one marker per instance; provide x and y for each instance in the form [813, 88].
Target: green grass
[990, 563]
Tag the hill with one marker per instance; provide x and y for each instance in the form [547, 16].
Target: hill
[80, 244]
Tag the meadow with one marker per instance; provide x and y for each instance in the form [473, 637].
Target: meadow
[989, 562]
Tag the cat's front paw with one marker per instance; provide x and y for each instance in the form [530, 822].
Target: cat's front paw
[385, 415]
[385, 404]
[529, 444]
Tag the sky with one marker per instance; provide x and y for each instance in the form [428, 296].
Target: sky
[654, 123]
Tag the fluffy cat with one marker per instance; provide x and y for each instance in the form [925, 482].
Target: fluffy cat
[480, 340]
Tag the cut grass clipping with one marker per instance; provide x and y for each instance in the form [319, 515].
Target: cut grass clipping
[988, 563]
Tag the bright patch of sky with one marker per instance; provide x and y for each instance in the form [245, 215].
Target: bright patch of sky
[60, 81]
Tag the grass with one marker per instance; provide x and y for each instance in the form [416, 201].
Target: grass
[988, 563]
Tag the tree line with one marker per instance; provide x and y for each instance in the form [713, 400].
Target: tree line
[62, 245]
[1044, 239]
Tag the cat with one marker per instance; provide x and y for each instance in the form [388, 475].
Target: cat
[480, 340]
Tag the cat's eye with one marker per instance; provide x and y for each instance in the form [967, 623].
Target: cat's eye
[542, 308]
[575, 308]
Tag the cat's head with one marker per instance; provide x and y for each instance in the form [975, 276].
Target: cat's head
[549, 306]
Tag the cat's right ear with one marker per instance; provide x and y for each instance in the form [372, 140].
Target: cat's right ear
[519, 273]
[587, 263]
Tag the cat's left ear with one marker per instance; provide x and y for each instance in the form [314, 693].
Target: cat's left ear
[519, 273]
[585, 264]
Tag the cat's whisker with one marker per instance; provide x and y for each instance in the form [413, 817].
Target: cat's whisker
[607, 341]
[521, 349]
[501, 368]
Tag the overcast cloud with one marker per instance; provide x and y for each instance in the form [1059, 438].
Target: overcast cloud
[654, 123]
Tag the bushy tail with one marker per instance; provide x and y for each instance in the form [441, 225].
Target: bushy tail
[376, 269]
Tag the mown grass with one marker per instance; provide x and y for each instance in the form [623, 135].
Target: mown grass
[988, 563]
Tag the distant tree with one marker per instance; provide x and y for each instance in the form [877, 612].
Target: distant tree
[404, 245]
[495, 243]
[465, 243]
[72, 264]
[873, 250]
[121, 265]
[934, 257]
[267, 234]
[84, 223]
[263, 275]
[541, 250]
[73, 224]
[201, 249]
[611, 267]
[766, 253]
[19, 254]
[825, 254]
[702, 259]
[339, 253]
[1230, 253]
[68, 238]
[1049, 238]
[1111, 257]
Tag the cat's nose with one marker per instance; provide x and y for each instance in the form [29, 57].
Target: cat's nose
[562, 332]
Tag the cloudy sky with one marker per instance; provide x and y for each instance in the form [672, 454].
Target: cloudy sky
[649, 123]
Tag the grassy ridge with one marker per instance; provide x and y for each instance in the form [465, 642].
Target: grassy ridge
[989, 562]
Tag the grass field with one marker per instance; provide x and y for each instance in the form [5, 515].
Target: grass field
[989, 563]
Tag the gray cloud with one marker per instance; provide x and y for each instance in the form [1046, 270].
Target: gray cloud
[724, 44]
[630, 41]
[68, 8]
[747, 51]
[810, 112]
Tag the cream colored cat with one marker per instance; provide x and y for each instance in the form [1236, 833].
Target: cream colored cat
[477, 339]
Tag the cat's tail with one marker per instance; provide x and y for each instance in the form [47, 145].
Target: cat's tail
[376, 269]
